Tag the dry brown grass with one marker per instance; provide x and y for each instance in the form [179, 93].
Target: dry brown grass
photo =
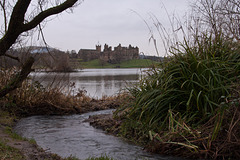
[32, 98]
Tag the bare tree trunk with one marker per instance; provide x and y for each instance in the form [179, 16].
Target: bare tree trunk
[17, 80]
[18, 25]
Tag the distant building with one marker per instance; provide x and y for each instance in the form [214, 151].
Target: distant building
[88, 54]
[117, 55]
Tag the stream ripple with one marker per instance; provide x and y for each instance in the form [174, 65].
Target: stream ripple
[70, 136]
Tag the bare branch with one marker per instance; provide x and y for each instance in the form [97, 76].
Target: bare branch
[3, 6]
[220, 17]
[51, 11]
[17, 26]
[12, 57]
[45, 42]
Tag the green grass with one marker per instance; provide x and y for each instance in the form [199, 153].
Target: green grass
[14, 135]
[100, 158]
[95, 64]
[6, 119]
[7, 152]
[135, 63]
[138, 63]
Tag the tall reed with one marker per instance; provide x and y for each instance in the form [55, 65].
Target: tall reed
[190, 102]
[190, 83]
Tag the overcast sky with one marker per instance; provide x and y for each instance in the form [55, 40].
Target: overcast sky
[111, 22]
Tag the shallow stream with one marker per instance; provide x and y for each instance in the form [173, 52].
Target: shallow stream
[71, 136]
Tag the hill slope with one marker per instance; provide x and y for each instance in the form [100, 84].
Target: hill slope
[136, 63]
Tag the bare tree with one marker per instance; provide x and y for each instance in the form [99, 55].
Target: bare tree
[19, 17]
[220, 17]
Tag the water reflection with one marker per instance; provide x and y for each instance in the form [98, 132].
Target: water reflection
[97, 82]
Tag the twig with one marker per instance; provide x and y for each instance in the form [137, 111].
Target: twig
[12, 57]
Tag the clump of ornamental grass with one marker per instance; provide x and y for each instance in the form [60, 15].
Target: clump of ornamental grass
[33, 98]
[192, 83]
[189, 90]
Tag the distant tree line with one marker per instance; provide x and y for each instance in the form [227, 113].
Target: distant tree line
[47, 59]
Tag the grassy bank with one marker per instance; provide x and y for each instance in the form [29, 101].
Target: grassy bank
[15, 147]
[6, 151]
[135, 63]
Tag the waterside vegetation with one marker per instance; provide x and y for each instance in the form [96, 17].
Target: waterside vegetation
[190, 105]
[57, 98]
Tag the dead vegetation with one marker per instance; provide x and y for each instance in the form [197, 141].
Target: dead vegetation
[34, 99]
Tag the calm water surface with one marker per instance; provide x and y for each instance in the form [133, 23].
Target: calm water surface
[97, 82]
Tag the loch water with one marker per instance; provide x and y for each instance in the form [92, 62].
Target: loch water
[96, 82]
